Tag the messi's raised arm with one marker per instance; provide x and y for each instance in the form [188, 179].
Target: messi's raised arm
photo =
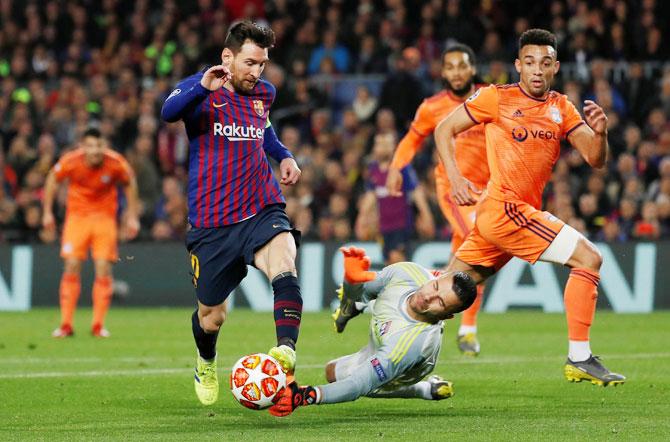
[183, 99]
[456, 122]
[590, 139]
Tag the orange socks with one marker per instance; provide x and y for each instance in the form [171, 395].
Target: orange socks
[581, 293]
[469, 315]
[102, 298]
[70, 287]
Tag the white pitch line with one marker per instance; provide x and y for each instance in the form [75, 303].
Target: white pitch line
[169, 371]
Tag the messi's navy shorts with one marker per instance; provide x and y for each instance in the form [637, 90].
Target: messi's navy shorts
[219, 255]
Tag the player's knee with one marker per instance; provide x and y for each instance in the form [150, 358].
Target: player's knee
[284, 265]
[595, 260]
[395, 256]
[330, 372]
[588, 256]
[72, 266]
[103, 268]
[213, 320]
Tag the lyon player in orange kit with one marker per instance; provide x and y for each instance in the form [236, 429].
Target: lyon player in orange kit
[93, 173]
[458, 71]
[524, 124]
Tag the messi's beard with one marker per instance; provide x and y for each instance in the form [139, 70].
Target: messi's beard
[239, 86]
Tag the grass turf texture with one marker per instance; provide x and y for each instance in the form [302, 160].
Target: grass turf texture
[138, 384]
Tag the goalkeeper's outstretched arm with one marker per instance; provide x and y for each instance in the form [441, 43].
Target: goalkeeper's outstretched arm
[367, 290]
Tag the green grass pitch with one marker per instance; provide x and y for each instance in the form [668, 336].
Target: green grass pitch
[138, 384]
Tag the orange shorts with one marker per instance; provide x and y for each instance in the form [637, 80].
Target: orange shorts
[504, 229]
[97, 232]
[460, 218]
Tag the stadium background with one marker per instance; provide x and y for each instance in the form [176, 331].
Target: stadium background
[344, 71]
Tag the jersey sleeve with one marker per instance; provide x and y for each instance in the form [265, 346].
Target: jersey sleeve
[64, 167]
[482, 106]
[571, 117]
[421, 127]
[399, 353]
[273, 146]
[183, 99]
[368, 290]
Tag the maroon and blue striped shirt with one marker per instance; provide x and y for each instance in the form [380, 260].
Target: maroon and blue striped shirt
[229, 178]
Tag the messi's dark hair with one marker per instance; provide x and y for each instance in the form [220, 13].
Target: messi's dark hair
[246, 30]
[540, 37]
[465, 289]
[460, 47]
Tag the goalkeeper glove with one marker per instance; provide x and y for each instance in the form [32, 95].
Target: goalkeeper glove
[291, 397]
[356, 266]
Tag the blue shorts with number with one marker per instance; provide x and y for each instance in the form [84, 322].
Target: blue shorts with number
[219, 255]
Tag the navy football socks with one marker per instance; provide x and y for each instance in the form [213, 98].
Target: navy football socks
[287, 308]
[206, 342]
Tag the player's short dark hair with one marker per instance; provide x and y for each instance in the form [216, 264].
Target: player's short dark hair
[246, 30]
[460, 47]
[92, 132]
[540, 37]
[465, 289]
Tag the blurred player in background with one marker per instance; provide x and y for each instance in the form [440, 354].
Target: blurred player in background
[524, 123]
[394, 213]
[93, 173]
[236, 207]
[458, 73]
[408, 304]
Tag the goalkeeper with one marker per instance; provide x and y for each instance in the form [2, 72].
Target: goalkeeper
[408, 305]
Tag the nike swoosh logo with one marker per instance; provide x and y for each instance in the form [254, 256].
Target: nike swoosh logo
[219, 105]
[276, 226]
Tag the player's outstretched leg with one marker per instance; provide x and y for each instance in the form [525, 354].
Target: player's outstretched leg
[285, 355]
[581, 294]
[591, 370]
[287, 315]
[440, 388]
[205, 380]
[467, 340]
[346, 311]
[433, 388]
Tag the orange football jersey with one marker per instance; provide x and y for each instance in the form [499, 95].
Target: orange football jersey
[523, 136]
[92, 189]
[470, 148]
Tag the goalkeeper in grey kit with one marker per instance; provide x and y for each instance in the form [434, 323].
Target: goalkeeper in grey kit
[408, 305]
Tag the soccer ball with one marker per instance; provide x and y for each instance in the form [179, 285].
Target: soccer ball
[255, 380]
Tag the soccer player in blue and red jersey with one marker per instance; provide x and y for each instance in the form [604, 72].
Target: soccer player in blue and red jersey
[236, 208]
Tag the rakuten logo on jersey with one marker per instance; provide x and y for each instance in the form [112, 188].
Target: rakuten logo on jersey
[238, 133]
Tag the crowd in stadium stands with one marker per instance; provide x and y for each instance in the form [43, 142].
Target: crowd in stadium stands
[66, 65]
